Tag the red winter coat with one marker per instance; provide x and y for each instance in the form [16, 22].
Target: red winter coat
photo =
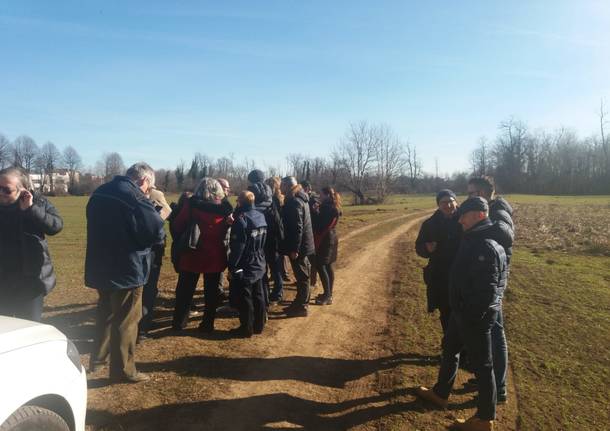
[211, 253]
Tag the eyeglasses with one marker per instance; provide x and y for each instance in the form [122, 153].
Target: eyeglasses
[7, 190]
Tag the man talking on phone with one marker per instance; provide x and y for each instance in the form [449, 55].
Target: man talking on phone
[26, 271]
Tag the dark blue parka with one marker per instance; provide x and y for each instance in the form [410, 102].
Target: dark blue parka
[247, 246]
[478, 275]
[122, 226]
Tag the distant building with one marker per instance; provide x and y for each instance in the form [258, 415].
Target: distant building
[61, 181]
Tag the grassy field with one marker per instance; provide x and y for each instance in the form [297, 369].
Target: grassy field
[557, 305]
[557, 314]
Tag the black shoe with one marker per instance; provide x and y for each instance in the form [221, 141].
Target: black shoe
[296, 311]
[206, 328]
[240, 332]
[324, 300]
[275, 299]
[502, 399]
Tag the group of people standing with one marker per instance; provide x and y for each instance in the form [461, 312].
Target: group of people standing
[126, 240]
[469, 247]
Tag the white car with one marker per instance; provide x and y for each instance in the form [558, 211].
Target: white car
[43, 385]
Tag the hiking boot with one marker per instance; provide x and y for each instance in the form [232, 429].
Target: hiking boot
[431, 396]
[473, 424]
[324, 300]
[502, 399]
[137, 377]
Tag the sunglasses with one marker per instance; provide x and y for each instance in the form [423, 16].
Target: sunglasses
[7, 190]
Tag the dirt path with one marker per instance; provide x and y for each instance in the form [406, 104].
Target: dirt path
[318, 372]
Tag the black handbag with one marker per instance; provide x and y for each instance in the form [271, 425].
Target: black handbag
[187, 240]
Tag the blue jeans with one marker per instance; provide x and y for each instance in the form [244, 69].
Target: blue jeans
[499, 349]
[149, 295]
[476, 337]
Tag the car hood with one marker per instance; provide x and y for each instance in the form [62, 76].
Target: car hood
[19, 333]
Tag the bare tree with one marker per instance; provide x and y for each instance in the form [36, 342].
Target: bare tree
[179, 174]
[356, 153]
[72, 162]
[390, 161]
[480, 159]
[47, 161]
[25, 151]
[113, 165]
[413, 165]
[6, 151]
[604, 143]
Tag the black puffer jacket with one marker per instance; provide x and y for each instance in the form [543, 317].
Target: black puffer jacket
[25, 261]
[500, 211]
[446, 232]
[298, 232]
[478, 274]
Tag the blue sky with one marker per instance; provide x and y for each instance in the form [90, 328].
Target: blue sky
[159, 81]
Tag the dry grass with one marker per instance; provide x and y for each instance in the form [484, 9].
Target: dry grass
[562, 228]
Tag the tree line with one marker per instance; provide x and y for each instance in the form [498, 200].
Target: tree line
[369, 162]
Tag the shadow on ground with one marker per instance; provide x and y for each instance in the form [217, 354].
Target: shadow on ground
[261, 412]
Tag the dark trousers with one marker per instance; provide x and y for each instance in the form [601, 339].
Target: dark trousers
[276, 267]
[445, 313]
[327, 277]
[117, 316]
[499, 353]
[301, 267]
[252, 307]
[187, 283]
[27, 307]
[149, 296]
[476, 337]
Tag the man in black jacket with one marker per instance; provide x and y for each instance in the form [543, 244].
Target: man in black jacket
[438, 241]
[122, 226]
[298, 242]
[501, 212]
[477, 282]
[247, 265]
[26, 271]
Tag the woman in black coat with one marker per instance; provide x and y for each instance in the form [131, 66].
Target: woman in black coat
[26, 271]
[324, 220]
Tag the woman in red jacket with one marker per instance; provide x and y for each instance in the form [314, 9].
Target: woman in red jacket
[209, 258]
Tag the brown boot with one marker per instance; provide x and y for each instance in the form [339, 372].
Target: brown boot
[429, 395]
[474, 424]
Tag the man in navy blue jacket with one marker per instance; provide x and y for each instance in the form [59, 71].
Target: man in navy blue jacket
[476, 287]
[247, 265]
[122, 226]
